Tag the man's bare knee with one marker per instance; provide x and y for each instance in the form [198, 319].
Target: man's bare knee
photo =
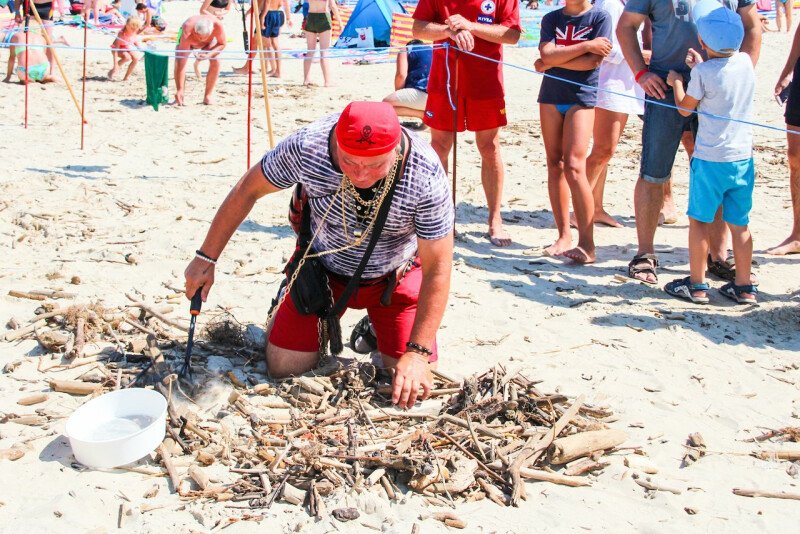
[282, 363]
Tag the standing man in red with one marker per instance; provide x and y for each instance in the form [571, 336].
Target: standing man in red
[480, 27]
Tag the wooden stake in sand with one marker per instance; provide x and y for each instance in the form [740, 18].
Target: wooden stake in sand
[55, 57]
[263, 63]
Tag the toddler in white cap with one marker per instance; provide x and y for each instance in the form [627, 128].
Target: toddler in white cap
[722, 171]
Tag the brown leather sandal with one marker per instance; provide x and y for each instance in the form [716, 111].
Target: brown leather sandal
[643, 264]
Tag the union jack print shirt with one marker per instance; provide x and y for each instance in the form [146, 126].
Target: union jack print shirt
[562, 85]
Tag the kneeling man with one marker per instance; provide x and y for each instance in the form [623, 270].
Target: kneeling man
[348, 164]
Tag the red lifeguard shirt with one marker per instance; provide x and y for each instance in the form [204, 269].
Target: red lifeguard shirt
[478, 78]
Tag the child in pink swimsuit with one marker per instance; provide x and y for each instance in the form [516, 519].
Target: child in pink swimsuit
[122, 47]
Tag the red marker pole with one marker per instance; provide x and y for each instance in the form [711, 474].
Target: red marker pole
[83, 84]
[27, 24]
[249, 89]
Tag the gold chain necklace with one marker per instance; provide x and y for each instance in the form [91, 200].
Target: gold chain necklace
[351, 189]
[374, 204]
[360, 239]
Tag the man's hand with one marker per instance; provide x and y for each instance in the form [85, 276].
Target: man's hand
[463, 39]
[411, 373]
[653, 85]
[458, 22]
[672, 77]
[693, 58]
[17, 18]
[198, 273]
[600, 46]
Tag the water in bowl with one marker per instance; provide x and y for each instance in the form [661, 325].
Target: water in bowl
[120, 427]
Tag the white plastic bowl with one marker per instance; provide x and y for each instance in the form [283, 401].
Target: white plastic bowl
[117, 428]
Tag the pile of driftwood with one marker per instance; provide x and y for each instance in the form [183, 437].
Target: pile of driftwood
[480, 438]
[302, 439]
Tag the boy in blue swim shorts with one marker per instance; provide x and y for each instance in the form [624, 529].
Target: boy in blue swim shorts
[722, 171]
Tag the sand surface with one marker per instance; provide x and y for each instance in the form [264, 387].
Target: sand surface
[148, 184]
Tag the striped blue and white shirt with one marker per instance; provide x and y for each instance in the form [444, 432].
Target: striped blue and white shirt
[422, 207]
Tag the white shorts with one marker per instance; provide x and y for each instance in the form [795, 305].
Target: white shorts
[409, 98]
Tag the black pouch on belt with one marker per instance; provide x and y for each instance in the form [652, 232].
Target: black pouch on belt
[310, 292]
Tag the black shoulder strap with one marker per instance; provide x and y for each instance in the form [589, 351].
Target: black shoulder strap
[380, 221]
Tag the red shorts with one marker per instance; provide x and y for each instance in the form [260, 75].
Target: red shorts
[294, 331]
[473, 115]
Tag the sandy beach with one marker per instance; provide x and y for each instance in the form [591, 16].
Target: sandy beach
[126, 214]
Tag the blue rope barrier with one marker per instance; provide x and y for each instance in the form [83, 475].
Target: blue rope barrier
[646, 101]
[352, 53]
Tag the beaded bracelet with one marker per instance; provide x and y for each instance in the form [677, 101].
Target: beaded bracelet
[205, 257]
[416, 347]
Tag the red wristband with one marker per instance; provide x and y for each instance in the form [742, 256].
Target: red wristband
[640, 74]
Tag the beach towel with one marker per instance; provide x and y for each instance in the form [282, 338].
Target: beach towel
[156, 74]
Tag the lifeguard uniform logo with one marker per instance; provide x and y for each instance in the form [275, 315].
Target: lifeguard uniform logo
[487, 9]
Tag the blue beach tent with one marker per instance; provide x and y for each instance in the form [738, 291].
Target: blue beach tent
[375, 14]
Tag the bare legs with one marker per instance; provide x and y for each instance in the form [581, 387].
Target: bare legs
[669, 214]
[608, 127]
[743, 254]
[566, 142]
[211, 80]
[783, 10]
[442, 142]
[698, 250]
[324, 44]
[274, 57]
[791, 245]
[492, 174]
[282, 363]
[403, 111]
[119, 59]
[181, 59]
[647, 201]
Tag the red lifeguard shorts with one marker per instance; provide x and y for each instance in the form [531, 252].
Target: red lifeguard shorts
[294, 331]
[473, 115]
